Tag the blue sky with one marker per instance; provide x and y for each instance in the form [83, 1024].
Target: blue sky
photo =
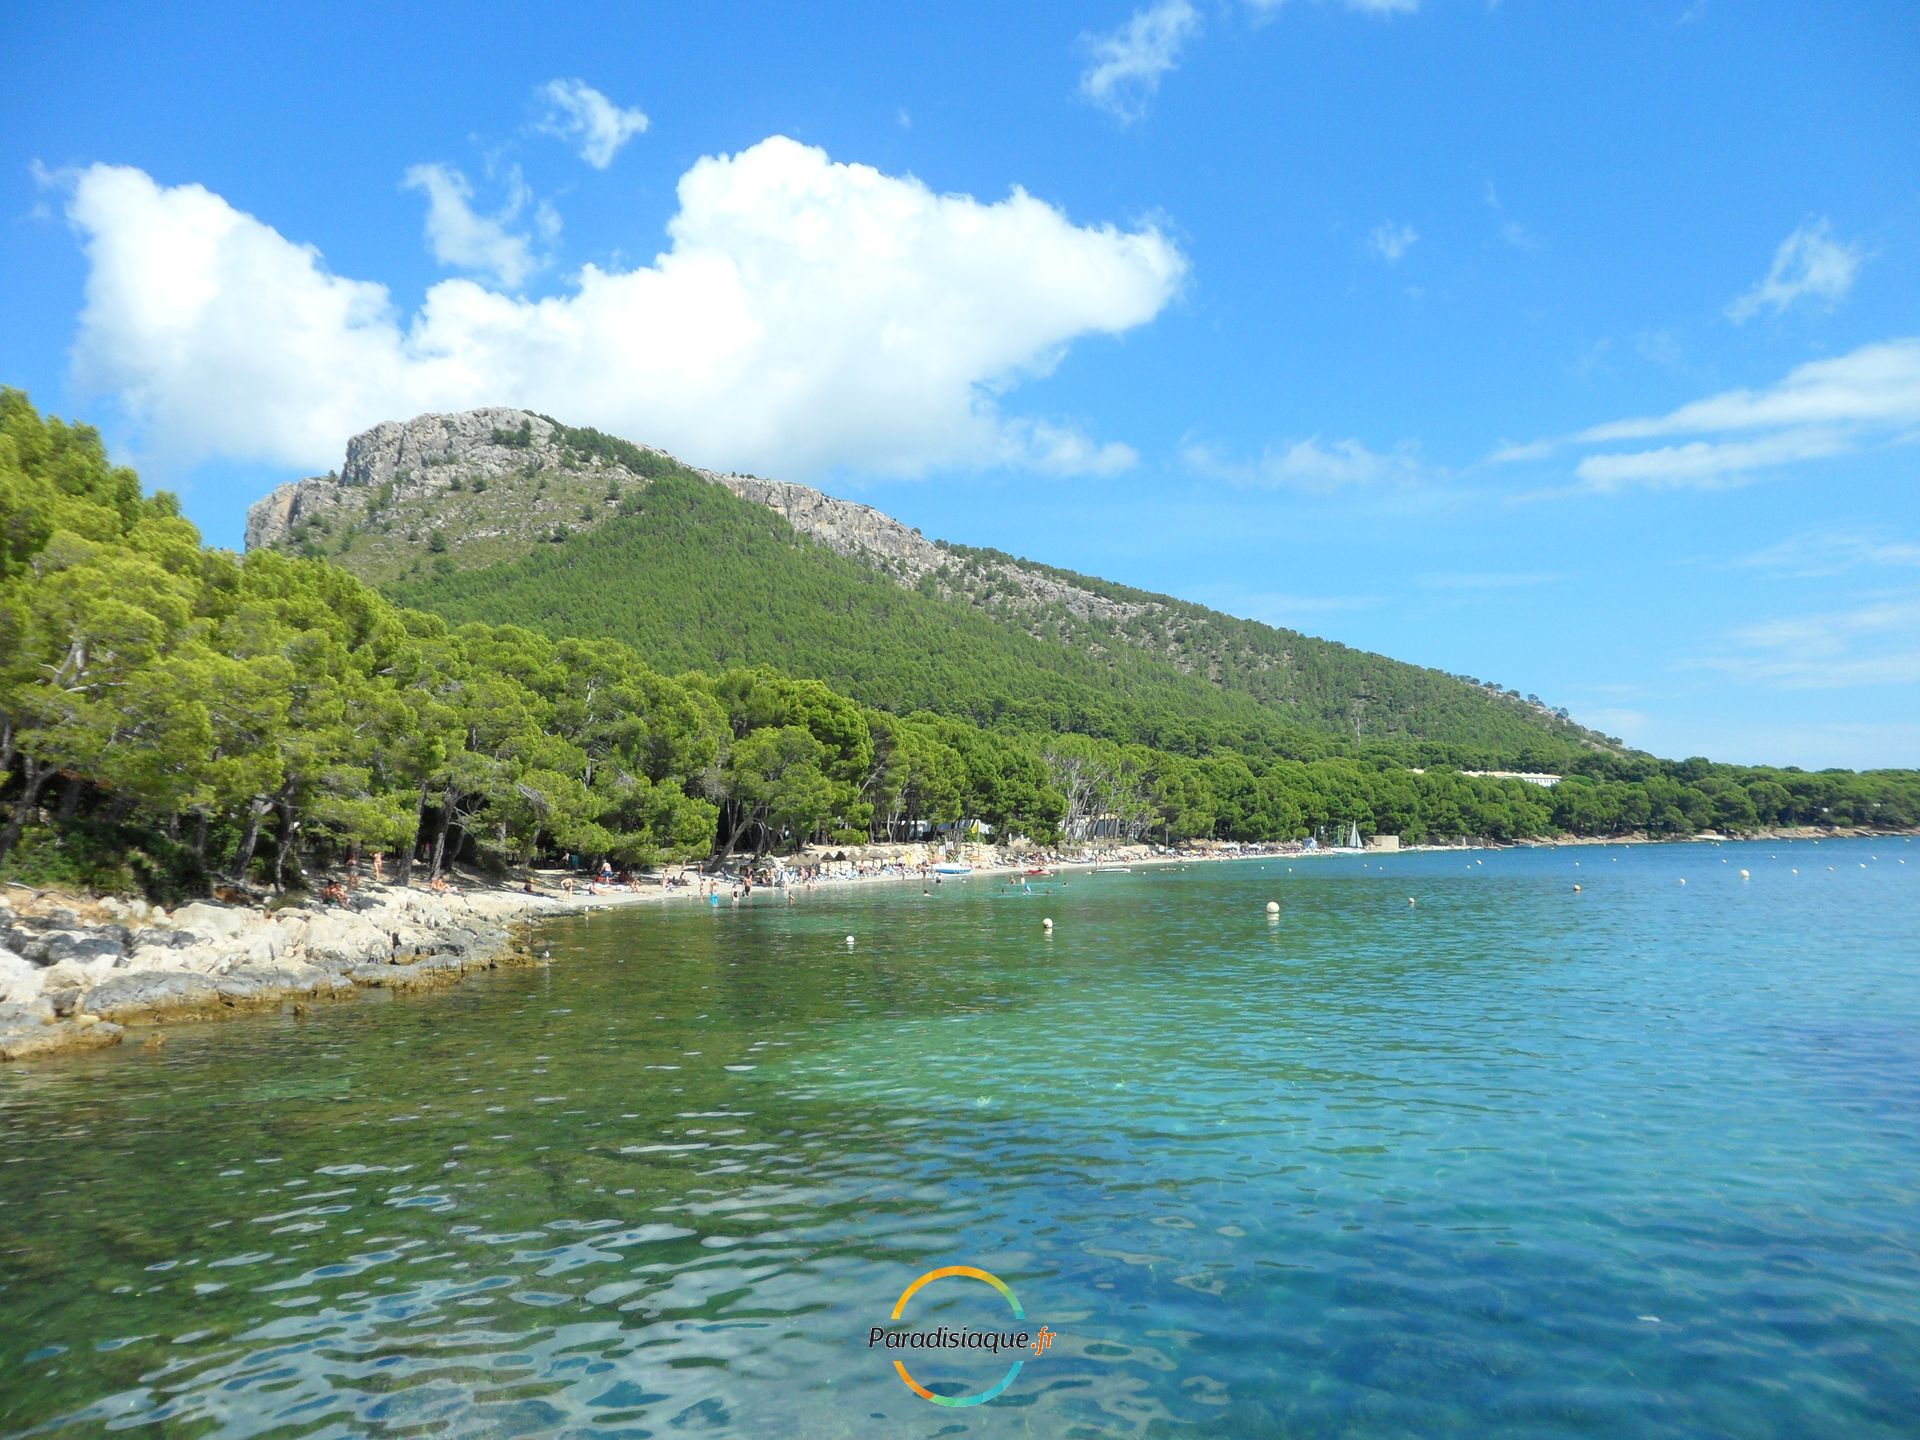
[1571, 346]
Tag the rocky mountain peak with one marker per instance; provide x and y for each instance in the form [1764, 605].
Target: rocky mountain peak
[416, 457]
[550, 480]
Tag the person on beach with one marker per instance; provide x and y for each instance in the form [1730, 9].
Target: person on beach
[379, 868]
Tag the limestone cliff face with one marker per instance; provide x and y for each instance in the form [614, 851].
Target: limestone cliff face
[864, 533]
[420, 457]
[850, 529]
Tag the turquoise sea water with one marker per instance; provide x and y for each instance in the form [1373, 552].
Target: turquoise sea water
[1512, 1161]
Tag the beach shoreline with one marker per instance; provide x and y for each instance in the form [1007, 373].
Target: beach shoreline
[82, 973]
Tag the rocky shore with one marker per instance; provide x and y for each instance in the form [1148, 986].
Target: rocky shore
[76, 974]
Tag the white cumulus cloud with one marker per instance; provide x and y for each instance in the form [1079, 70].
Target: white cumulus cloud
[1810, 265]
[1127, 65]
[806, 315]
[576, 112]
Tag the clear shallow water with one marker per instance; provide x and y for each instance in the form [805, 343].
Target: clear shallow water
[1511, 1162]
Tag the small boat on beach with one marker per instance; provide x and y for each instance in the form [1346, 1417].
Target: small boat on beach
[953, 869]
[1113, 869]
[1038, 870]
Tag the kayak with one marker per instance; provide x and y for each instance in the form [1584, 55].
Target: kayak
[953, 869]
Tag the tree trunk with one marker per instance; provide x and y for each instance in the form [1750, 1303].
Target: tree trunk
[70, 797]
[289, 833]
[440, 834]
[740, 817]
[200, 836]
[413, 843]
[243, 857]
[34, 780]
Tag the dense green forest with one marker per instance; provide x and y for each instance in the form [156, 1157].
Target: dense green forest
[170, 713]
[692, 576]
[573, 531]
[1333, 687]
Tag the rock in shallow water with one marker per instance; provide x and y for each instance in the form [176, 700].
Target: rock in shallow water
[38, 1033]
[143, 993]
[19, 979]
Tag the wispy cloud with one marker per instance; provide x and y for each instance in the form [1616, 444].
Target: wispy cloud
[491, 245]
[1127, 64]
[596, 127]
[1708, 464]
[1312, 464]
[1390, 241]
[1820, 554]
[1878, 384]
[1876, 642]
[1809, 266]
[1064, 449]
[1511, 230]
[1660, 347]
[1512, 452]
[1821, 409]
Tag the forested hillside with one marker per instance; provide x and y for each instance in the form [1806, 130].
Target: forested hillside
[506, 516]
[170, 712]
[1339, 689]
[694, 578]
